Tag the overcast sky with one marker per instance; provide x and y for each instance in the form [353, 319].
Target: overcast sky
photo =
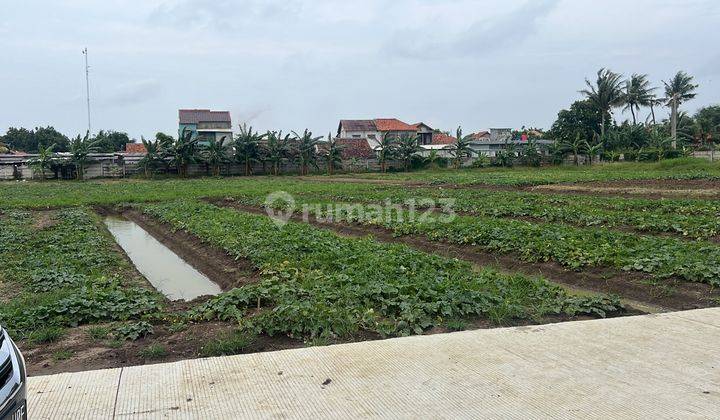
[291, 64]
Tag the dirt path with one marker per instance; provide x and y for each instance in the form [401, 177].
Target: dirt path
[632, 286]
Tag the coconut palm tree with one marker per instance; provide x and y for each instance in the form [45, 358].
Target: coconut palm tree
[247, 147]
[604, 95]
[80, 149]
[215, 154]
[638, 92]
[306, 150]
[406, 149]
[276, 148]
[333, 156]
[461, 148]
[679, 89]
[181, 152]
[152, 156]
[386, 150]
[44, 160]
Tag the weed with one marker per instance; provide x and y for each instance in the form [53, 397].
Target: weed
[232, 343]
[46, 335]
[98, 332]
[62, 355]
[153, 351]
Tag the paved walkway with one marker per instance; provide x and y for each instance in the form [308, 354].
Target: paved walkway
[653, 366]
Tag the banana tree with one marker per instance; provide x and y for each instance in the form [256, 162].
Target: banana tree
[182, 152]
[80, 149]
[247, 147]
[386, 150]
[406, 149]
[306, 150]
[152, 156]
[333, 155]
[576, 147]
[276, 148]
[461, 148]
[44, 160]
[215, 154]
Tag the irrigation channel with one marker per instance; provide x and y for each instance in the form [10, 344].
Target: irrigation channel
[164, 269]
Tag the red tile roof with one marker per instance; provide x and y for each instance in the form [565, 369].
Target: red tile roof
[393, 124]
[194, 116]
[355, 148]
[135, 148]
[442, 138]
[481, 135]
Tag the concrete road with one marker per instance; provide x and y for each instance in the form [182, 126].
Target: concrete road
[653, 366]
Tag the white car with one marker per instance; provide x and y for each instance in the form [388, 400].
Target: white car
[13, 404]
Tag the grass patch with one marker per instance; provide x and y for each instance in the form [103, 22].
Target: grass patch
[62, 355]
[229, 344]
[46, 335]
[153, 352]
[98, 332]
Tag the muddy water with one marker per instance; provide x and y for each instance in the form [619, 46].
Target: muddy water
[164, 269]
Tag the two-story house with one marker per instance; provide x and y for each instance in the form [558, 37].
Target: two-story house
[205, 124]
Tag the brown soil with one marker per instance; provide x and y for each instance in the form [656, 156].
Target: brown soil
[645, 188]
[87, 353]
[639, 289]
[44, 220]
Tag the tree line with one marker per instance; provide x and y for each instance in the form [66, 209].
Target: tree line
[589, 128]
[31, 141]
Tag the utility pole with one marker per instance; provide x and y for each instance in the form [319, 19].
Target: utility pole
[87, 88]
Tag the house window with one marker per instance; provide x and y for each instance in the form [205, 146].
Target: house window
[356, 136]
[371, 136]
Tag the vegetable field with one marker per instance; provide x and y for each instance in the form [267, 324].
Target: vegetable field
[451, 251]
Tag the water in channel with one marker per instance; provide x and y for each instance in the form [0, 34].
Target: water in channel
[164, 269]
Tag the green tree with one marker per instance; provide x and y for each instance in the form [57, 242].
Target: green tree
[679, 89]
[181, 152]
[433, 159]
[461, 148]
[576, 146]
[333, 155]
[580, 118]
[659, 142]
[111, 141]
[247, 147]
[604, 95]
[592, 150]
[406, 149]
[638, 93]
[215, 154]
[4, 148]
[44, 159]
[152, 156]
[386, 150]
[276, 148]
[306, 150]
[80, 150]
[531, 154]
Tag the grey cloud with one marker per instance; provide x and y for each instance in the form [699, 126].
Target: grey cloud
[132, 93]
[480, 38]
[221, 14]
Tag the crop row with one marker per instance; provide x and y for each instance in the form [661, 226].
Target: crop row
[691, 218]
[63, 272]
[678, 169]
[572, 247]
[318, 284]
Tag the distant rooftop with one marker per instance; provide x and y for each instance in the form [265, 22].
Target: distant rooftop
[195, 116]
